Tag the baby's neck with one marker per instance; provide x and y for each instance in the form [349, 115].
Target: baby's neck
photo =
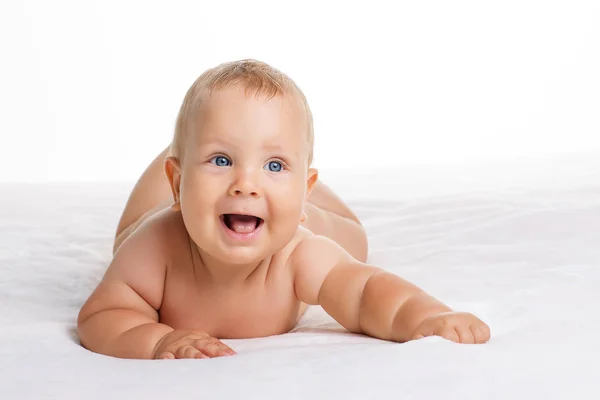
[217, 272]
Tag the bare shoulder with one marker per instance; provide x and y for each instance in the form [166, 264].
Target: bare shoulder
[313, 250]
[311, 260]
[142, 260]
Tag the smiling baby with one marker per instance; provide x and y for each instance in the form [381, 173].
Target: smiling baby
[229, 234]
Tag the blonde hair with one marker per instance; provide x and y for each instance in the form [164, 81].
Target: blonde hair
[252, 75]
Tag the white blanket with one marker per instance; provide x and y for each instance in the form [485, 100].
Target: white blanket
[517, 243]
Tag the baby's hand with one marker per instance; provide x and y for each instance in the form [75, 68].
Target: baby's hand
[459, 327]
[190, 344]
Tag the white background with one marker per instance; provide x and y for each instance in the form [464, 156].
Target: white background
[89, 90]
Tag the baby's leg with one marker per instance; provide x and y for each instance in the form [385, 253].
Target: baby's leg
[150, 194]
[327, 214]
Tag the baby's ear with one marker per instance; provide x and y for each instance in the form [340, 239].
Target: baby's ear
[173, 172]
[311, 181]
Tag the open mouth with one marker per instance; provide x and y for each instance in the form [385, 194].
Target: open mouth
[241, 224]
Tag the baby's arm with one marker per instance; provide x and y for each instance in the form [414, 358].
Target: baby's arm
[120, 318]
[367, 299]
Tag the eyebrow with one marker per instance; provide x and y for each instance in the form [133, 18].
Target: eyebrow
[226, 143]
[212, 139]
[274, 148]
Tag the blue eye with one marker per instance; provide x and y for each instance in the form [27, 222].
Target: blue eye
[221, 161]
[274, 166]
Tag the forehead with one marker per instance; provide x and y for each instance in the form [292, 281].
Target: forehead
[244, 114]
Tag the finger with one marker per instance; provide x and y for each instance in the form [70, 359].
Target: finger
[481, 332]
[186, 352]
[448, 333]
[201, 355]
[167, 355]
[422, 331]
[464, 335]
[215, 348]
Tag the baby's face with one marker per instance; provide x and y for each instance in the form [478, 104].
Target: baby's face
[245, 176]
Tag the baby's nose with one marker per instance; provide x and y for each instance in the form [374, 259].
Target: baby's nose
[242, 192]
[246, 184]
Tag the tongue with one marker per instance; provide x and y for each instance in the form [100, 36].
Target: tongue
[242, 223]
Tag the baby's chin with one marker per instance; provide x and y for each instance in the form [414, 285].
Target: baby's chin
[244, 255]
[241, 255]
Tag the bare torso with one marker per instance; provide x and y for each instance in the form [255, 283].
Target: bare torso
[264, 304]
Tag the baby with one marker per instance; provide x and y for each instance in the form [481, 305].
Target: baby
[241, 237]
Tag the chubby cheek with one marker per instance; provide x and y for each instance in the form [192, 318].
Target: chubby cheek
[286, 205]
[198, 199]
